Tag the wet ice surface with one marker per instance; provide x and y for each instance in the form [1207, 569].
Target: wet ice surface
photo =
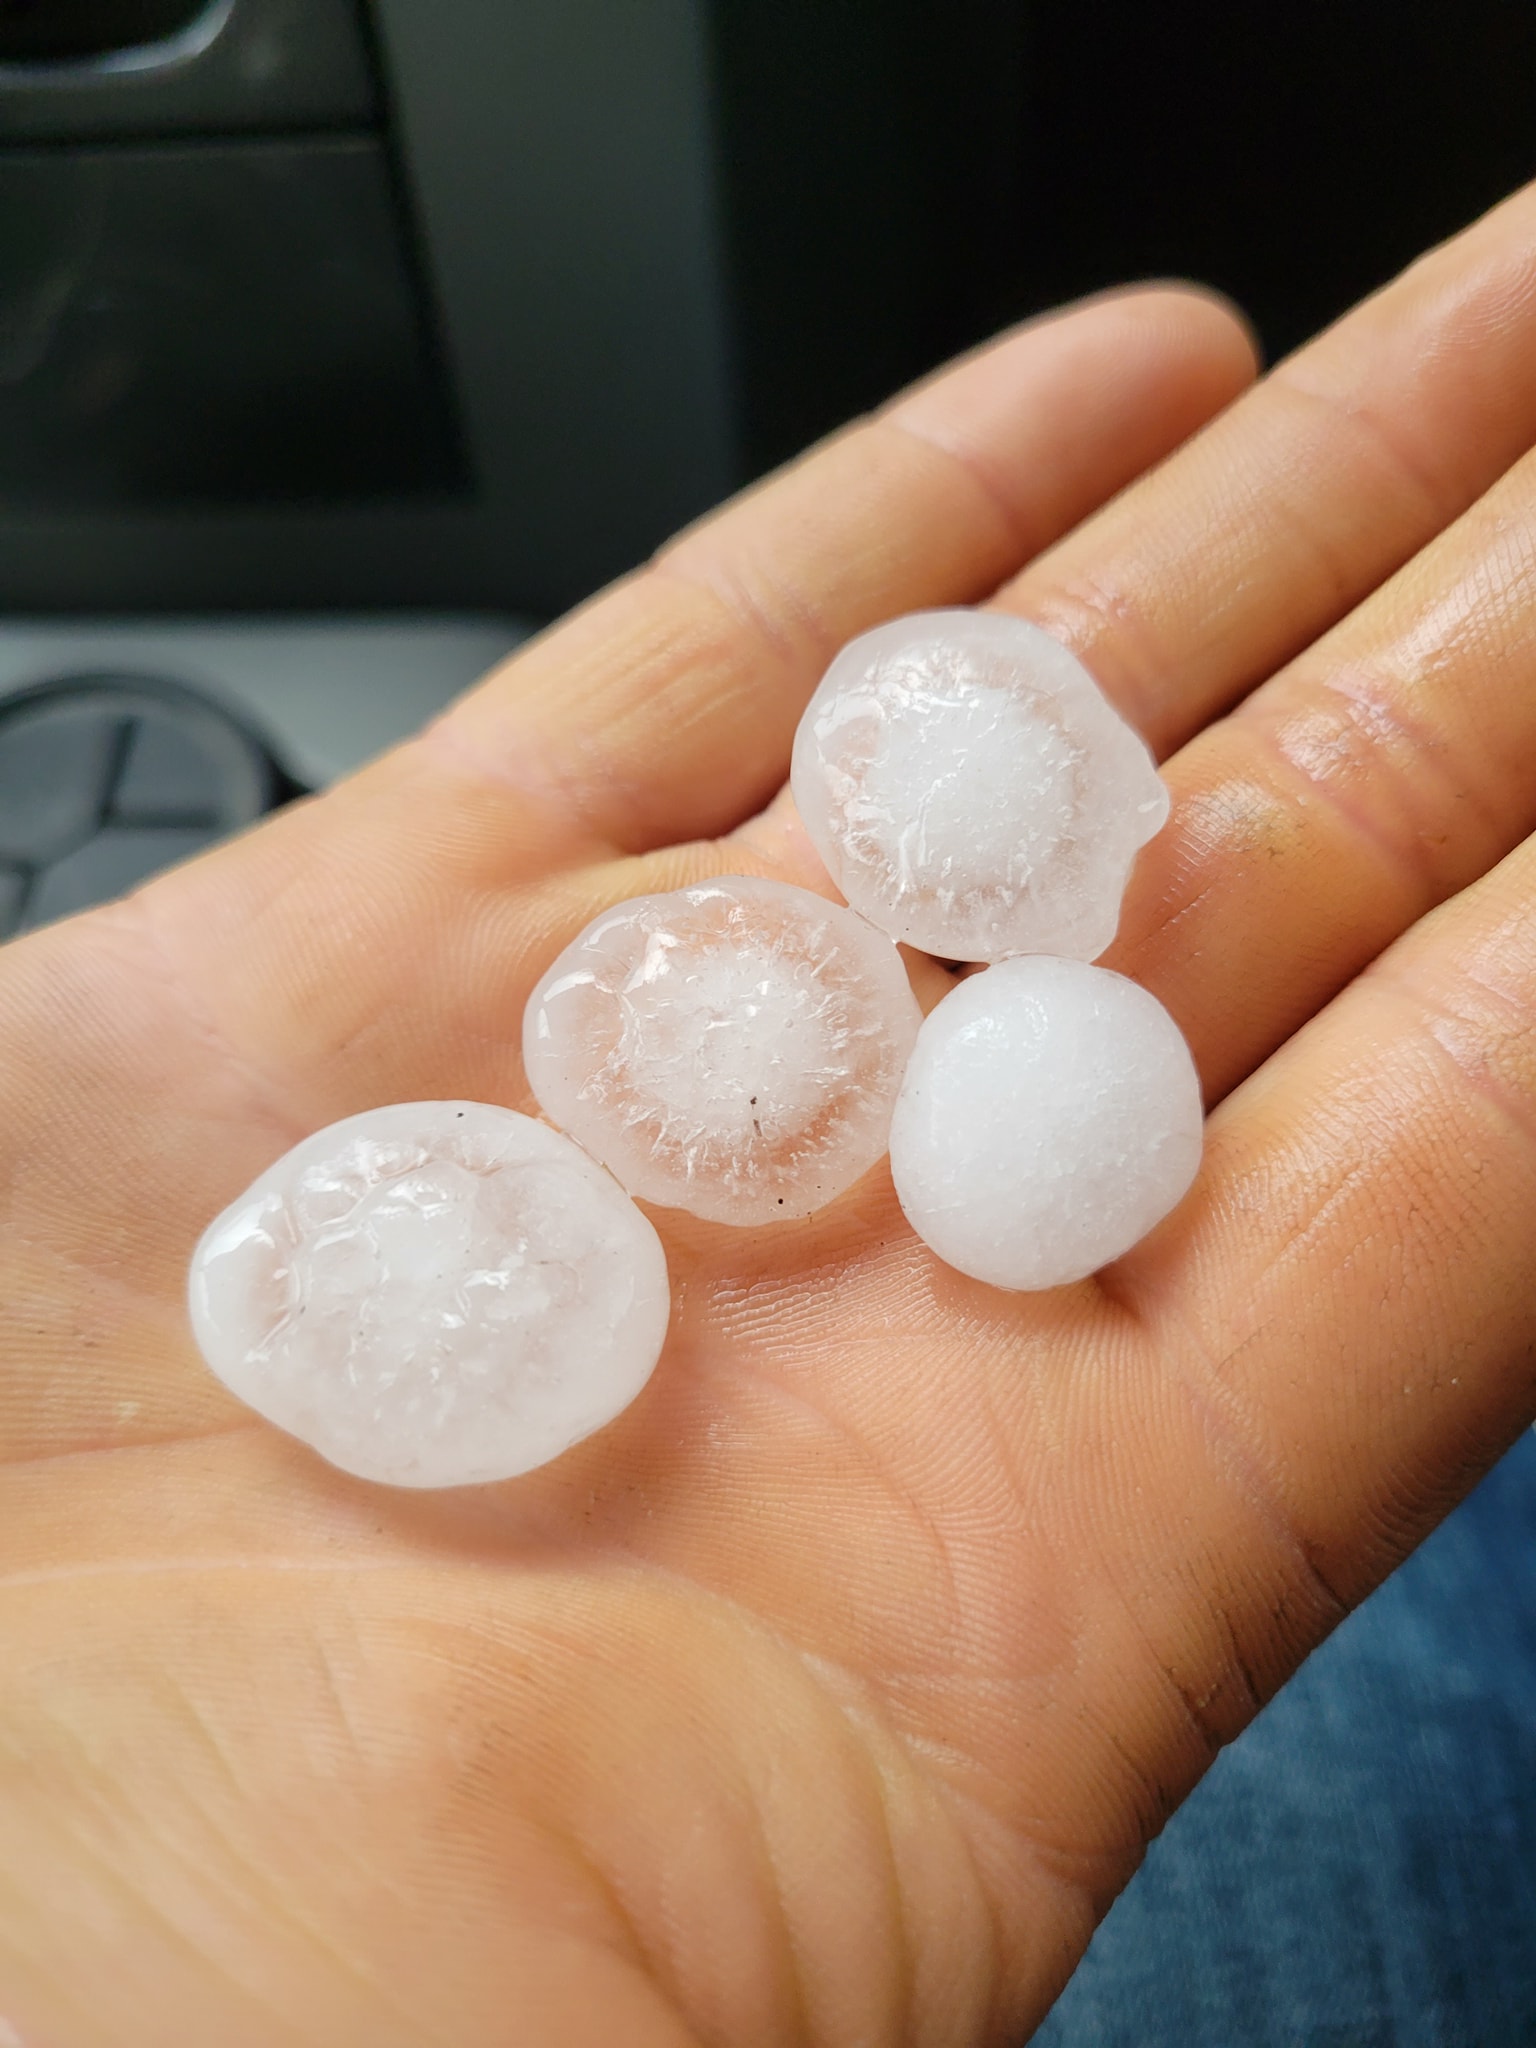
[971, 790]
[1050, 1117]
[732, 1049]
[433, 1294]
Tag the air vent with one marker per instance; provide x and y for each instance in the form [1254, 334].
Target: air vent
[104, 780]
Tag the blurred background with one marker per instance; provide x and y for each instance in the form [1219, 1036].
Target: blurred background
[343, 340]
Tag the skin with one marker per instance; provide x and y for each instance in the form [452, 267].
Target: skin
[831, 1695]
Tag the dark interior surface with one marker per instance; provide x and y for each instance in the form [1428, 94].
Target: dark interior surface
[900, 178]
[243, 66]
[552, 196]
[871, 167]
[1296, 157]
[612, 261]
[58, 31]
[215, 323]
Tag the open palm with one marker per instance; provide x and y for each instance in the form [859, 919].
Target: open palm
[831, 1694]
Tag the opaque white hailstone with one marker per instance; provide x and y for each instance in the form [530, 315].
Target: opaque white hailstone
[433, 1294]
[971, 791]
[732, 1049]
[1050, 1117]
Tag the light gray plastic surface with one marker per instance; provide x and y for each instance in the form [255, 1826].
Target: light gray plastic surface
[325, 694]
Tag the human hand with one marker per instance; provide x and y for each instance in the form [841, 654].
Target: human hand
[832, 1693]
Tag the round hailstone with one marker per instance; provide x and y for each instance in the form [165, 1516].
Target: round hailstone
[732, 1049]
[971, 790]
[433, 1294]
[1050, 1117]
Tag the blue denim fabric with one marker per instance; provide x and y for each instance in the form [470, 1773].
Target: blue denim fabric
[1359, 1869]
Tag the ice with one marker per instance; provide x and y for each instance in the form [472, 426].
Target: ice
[971, 791]
[433, 1294]
[1050, 1117]
[732, 1049]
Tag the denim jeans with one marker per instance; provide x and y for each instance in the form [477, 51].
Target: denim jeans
[1359, 1869]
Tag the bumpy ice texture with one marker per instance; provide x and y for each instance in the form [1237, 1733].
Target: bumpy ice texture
[1050, 1117]
[433, 1294]
[971, 791]
[732, 1049]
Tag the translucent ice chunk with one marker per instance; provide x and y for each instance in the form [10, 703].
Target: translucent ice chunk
[433, 1294]
[1050, 1117]
[732, 1049]
[971, 790]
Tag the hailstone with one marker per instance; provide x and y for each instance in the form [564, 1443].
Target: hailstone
[433, 1294]
[971, 790]
[1051, 1116]
[732, 1049]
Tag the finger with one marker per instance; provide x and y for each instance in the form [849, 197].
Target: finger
[1333, 1336]
[1388, 767]
[666, 709]
[1349, 1289]
[1346, 459]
